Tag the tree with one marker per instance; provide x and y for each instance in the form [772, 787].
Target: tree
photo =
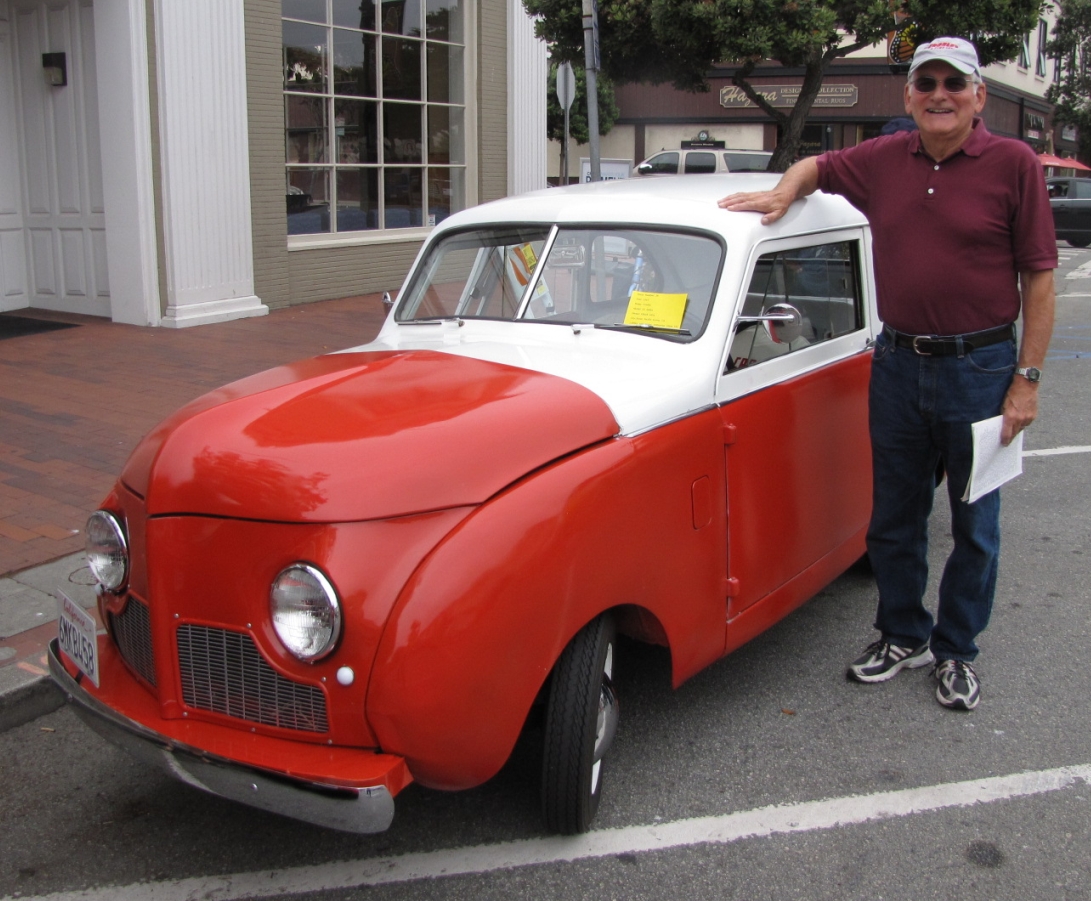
[679, 41]
[577, 114]
[1071, 46]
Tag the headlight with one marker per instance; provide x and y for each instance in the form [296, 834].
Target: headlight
[305, 610]
[107, 553]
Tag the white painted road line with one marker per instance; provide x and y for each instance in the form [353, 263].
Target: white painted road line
[777, 820]
[1053, 451]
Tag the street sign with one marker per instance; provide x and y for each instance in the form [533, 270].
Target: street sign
[566, 85]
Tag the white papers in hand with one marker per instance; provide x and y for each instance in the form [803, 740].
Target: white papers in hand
[993, 464]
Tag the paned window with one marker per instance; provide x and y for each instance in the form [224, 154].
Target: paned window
[1043, 39]
[374, 113]
[1024, 52]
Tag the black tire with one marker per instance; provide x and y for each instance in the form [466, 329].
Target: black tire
[1079, 242]
[581, 717]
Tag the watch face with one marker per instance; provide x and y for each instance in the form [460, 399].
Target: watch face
[1030, 373]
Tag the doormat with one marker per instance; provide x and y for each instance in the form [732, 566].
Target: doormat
[12, 326]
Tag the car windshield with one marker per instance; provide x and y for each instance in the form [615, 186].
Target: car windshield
[656, 282]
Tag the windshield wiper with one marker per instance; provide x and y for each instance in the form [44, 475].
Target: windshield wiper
[433, 320]
[643, 327]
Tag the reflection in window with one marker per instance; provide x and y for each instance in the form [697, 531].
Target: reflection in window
[656, 283]
[374, 113]
[820, 282]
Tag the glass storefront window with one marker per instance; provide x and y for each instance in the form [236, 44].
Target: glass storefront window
[374, 113]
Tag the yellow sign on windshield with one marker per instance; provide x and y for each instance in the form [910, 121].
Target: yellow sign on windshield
[655, 309]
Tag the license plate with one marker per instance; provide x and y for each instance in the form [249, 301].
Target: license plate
[76, 636]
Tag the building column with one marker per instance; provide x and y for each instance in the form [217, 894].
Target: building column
[121, 75]
[205, 162]
[528, 71]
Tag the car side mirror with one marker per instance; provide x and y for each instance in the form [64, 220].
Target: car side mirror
[644, 168]
[783, 322]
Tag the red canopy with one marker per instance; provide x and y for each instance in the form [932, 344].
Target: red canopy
[1048, 159]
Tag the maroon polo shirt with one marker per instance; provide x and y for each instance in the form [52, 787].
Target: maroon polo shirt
[949, 238]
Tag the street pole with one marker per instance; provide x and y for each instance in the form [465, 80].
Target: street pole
[566, 93]
[591, 57]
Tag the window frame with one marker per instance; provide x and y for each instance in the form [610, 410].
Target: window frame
[735, 383]
[1041, 63]
[381, 234]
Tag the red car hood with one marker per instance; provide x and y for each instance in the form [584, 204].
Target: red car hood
[362, 436]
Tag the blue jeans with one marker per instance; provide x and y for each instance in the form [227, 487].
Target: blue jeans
[920, 412]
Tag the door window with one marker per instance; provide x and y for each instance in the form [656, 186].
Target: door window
[662, 162]
[820, 282]
[700, 161]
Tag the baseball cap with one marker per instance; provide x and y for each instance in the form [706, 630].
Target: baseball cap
[953, 51]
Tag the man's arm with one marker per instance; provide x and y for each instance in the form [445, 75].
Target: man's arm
[1021, 404]
[799, 181]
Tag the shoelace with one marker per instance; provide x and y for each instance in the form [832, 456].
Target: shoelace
[953, 669]
[879, 648]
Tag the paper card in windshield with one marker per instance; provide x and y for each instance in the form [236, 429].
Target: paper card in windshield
[655, 309]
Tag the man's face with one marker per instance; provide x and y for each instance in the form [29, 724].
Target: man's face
[940, 112]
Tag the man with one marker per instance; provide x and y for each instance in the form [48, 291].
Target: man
[963, 240]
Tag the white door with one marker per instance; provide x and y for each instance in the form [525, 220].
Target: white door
[63, 216]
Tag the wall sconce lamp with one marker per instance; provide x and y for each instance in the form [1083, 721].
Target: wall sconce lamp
[55, 67]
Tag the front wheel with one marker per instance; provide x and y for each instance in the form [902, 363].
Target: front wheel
[581, 719]
[1079, 242]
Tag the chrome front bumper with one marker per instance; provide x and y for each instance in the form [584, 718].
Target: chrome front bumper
[363, 810]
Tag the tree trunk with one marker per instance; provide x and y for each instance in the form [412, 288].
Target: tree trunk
[791, 135]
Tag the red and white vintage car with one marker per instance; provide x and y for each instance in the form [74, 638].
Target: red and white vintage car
[610, 409]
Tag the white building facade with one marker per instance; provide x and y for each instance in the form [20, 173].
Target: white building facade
[176, 164]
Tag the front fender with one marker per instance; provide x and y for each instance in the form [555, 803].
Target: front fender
[477, 629]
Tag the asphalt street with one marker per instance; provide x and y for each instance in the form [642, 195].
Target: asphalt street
[897, 797]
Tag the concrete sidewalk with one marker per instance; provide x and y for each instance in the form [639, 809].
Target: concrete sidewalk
[74, 403]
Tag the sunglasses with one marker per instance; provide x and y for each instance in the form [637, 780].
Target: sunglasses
[952, 84]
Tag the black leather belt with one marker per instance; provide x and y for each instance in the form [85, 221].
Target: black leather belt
[947, 345]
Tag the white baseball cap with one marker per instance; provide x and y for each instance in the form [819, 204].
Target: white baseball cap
[953, 51]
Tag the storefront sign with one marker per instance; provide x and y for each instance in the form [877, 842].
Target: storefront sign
[786, 95]
[610, 170]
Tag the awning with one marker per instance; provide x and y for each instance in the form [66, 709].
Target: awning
[1056, 162]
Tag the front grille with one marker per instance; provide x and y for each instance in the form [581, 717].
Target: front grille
[223, 672]
[133, 633]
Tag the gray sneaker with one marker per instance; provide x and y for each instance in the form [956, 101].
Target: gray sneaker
[883, 660]
[959, 688]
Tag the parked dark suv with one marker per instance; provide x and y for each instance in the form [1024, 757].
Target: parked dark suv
[1070, 199]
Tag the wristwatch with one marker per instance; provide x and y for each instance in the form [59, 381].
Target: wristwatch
[1030, 373]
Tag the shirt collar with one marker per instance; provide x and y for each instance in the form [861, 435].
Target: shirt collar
[972, 146]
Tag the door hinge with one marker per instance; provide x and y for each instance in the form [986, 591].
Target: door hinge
[729, 433]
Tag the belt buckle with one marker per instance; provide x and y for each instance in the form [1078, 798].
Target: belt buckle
[916, 347]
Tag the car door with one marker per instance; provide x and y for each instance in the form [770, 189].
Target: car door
[794, 410]
[1061, 198]
[1080, 208]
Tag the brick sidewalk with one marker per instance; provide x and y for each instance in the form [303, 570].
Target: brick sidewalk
[74, 403]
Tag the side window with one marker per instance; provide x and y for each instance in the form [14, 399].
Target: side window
[700, 161]
[664, 162]
[819, 281]
[1083, 189]
[1058, 189]
[747, 162]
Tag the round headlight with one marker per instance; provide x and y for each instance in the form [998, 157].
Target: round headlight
[107, 553]
[305, 610]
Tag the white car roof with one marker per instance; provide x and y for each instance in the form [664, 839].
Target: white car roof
[678, 200]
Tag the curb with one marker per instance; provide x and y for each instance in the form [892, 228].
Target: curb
[26, 693]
